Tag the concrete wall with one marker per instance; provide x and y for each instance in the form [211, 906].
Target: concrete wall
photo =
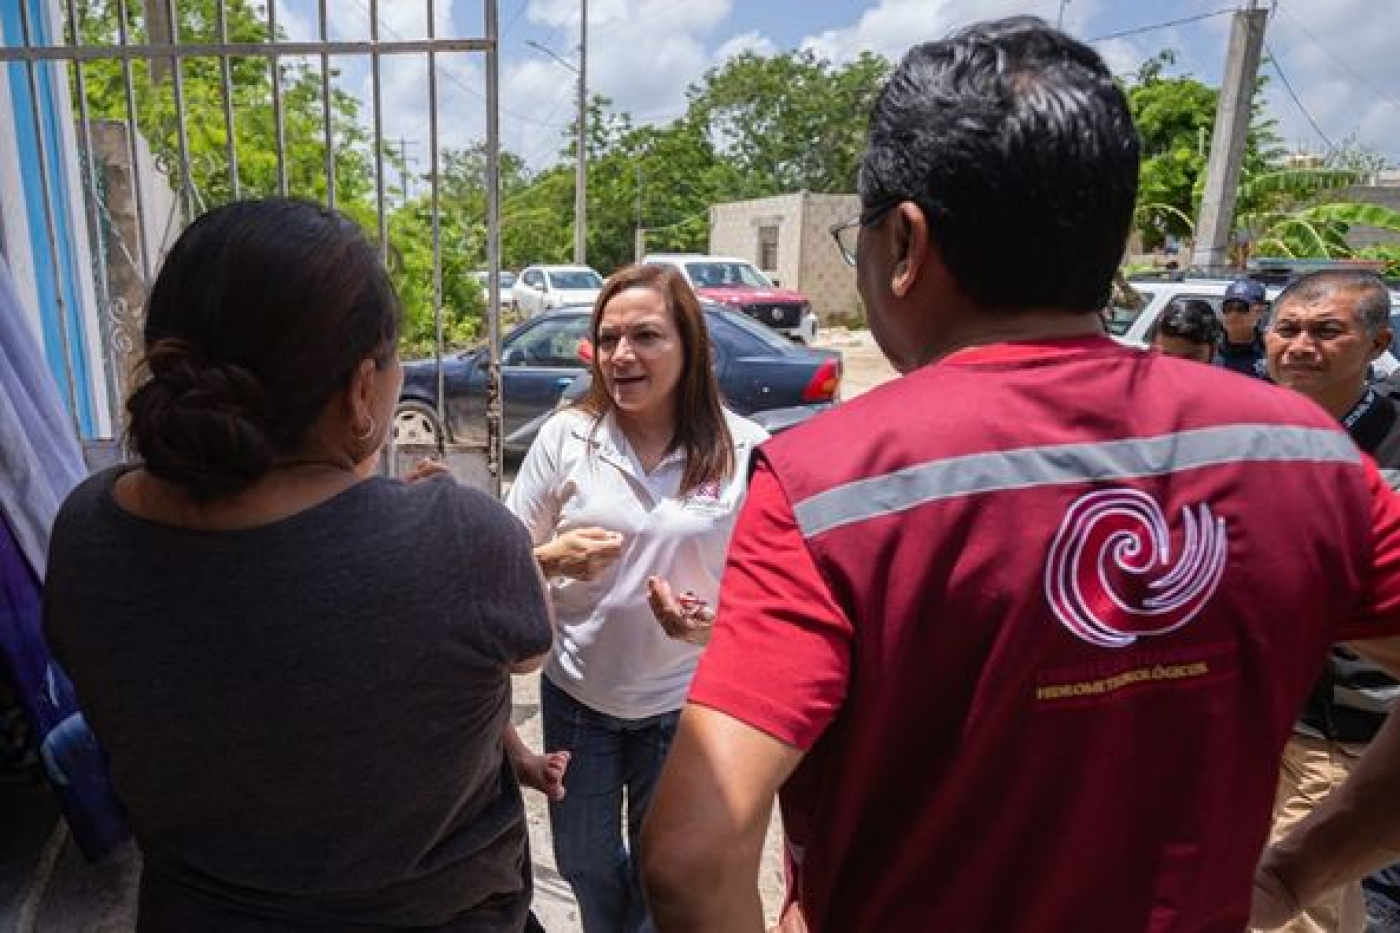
[735, 226]
[825, 278]
[807, 258]
[1385, 196]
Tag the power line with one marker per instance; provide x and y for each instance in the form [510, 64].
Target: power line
[1287, 86]
[1341, 62]
[1175, 22]
[457, 80]
[520, 8]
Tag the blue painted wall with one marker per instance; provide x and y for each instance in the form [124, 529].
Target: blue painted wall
[60, 294]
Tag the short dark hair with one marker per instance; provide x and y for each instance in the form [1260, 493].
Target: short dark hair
[701, 431]
[1019, 147]
[261, 311]
[1372, 297]
[1191, 319]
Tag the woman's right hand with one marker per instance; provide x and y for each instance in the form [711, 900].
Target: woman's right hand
[580, 553]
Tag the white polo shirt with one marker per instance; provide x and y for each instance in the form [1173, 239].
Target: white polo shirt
[610, 653]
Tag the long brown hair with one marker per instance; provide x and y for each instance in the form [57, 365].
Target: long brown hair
[701, 431]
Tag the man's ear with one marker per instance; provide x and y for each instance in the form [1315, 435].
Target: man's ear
[1381, 342]
[912, 242]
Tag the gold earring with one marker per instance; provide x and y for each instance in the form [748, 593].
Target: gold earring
[369, 431]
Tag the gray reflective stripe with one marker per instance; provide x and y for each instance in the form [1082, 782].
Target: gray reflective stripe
[1028, 467]
[1391, 477]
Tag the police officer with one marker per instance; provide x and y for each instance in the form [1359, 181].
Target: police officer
[1242, 346]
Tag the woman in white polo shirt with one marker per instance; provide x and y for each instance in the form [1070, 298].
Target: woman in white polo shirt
[630, 498]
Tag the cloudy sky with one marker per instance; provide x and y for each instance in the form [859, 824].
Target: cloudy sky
[1336, 55]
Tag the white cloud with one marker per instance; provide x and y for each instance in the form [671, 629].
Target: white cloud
[753, 42]
[1121, 55]
[890, 27]
[1339, 59]
[643, 67]
[295, 24]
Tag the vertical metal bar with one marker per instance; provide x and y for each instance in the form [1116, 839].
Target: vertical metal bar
[93, 200]
[581, 163]
[378, 133]
[494, 440]
[326, 123]
[50, 220]
[133, 128]
[226, 77]
[391, 457]
[177, 86]
[275, 64]
[437, 226]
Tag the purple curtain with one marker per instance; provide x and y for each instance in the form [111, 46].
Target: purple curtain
[73, 762]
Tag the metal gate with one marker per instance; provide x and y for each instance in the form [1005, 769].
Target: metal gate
[131, 52]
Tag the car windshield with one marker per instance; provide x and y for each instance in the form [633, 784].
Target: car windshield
[484, 278]
[575, 278]
[725, 275]
[1124, 306]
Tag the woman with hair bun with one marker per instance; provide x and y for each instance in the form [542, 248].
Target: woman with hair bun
[301, 671]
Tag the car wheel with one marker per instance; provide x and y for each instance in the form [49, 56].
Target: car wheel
[415, 424]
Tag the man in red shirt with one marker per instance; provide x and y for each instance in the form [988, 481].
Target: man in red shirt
[1019, 636]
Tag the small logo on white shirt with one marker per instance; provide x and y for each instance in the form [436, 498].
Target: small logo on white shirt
[707, 491]
[1111, 576]
[706, 499]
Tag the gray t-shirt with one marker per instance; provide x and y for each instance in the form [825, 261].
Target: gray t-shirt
[305, 719]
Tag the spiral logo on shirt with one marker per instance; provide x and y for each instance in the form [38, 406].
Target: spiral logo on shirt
[1112, 577]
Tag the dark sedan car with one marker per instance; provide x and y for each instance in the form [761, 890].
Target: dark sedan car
[758, 371]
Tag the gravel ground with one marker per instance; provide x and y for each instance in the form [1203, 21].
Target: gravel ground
[554, 903]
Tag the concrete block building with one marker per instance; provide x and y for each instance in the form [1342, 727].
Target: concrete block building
[788, 238]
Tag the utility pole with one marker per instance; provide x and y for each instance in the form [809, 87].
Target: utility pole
[581, 178]
[1060, 19]
[639, 241]
[581, 154]
[1214, 223]
[404, 160]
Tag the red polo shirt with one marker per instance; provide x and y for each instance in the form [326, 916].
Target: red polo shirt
[1041, 616]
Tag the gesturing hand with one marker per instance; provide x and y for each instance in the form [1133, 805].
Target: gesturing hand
[686, 617]
[426, 468]
[581, 553]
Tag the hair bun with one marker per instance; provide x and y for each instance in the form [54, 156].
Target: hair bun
[201, 424]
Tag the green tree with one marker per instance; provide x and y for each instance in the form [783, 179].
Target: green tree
[788, 122]
[412, 265]
[252, 103]
[1175, 118]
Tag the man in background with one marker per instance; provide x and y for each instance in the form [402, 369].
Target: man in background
[1189, 330]
[1327, 329]
[1242, 346]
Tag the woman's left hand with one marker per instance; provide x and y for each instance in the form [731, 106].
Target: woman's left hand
[685, 617]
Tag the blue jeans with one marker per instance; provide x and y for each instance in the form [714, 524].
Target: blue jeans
[608, 756]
